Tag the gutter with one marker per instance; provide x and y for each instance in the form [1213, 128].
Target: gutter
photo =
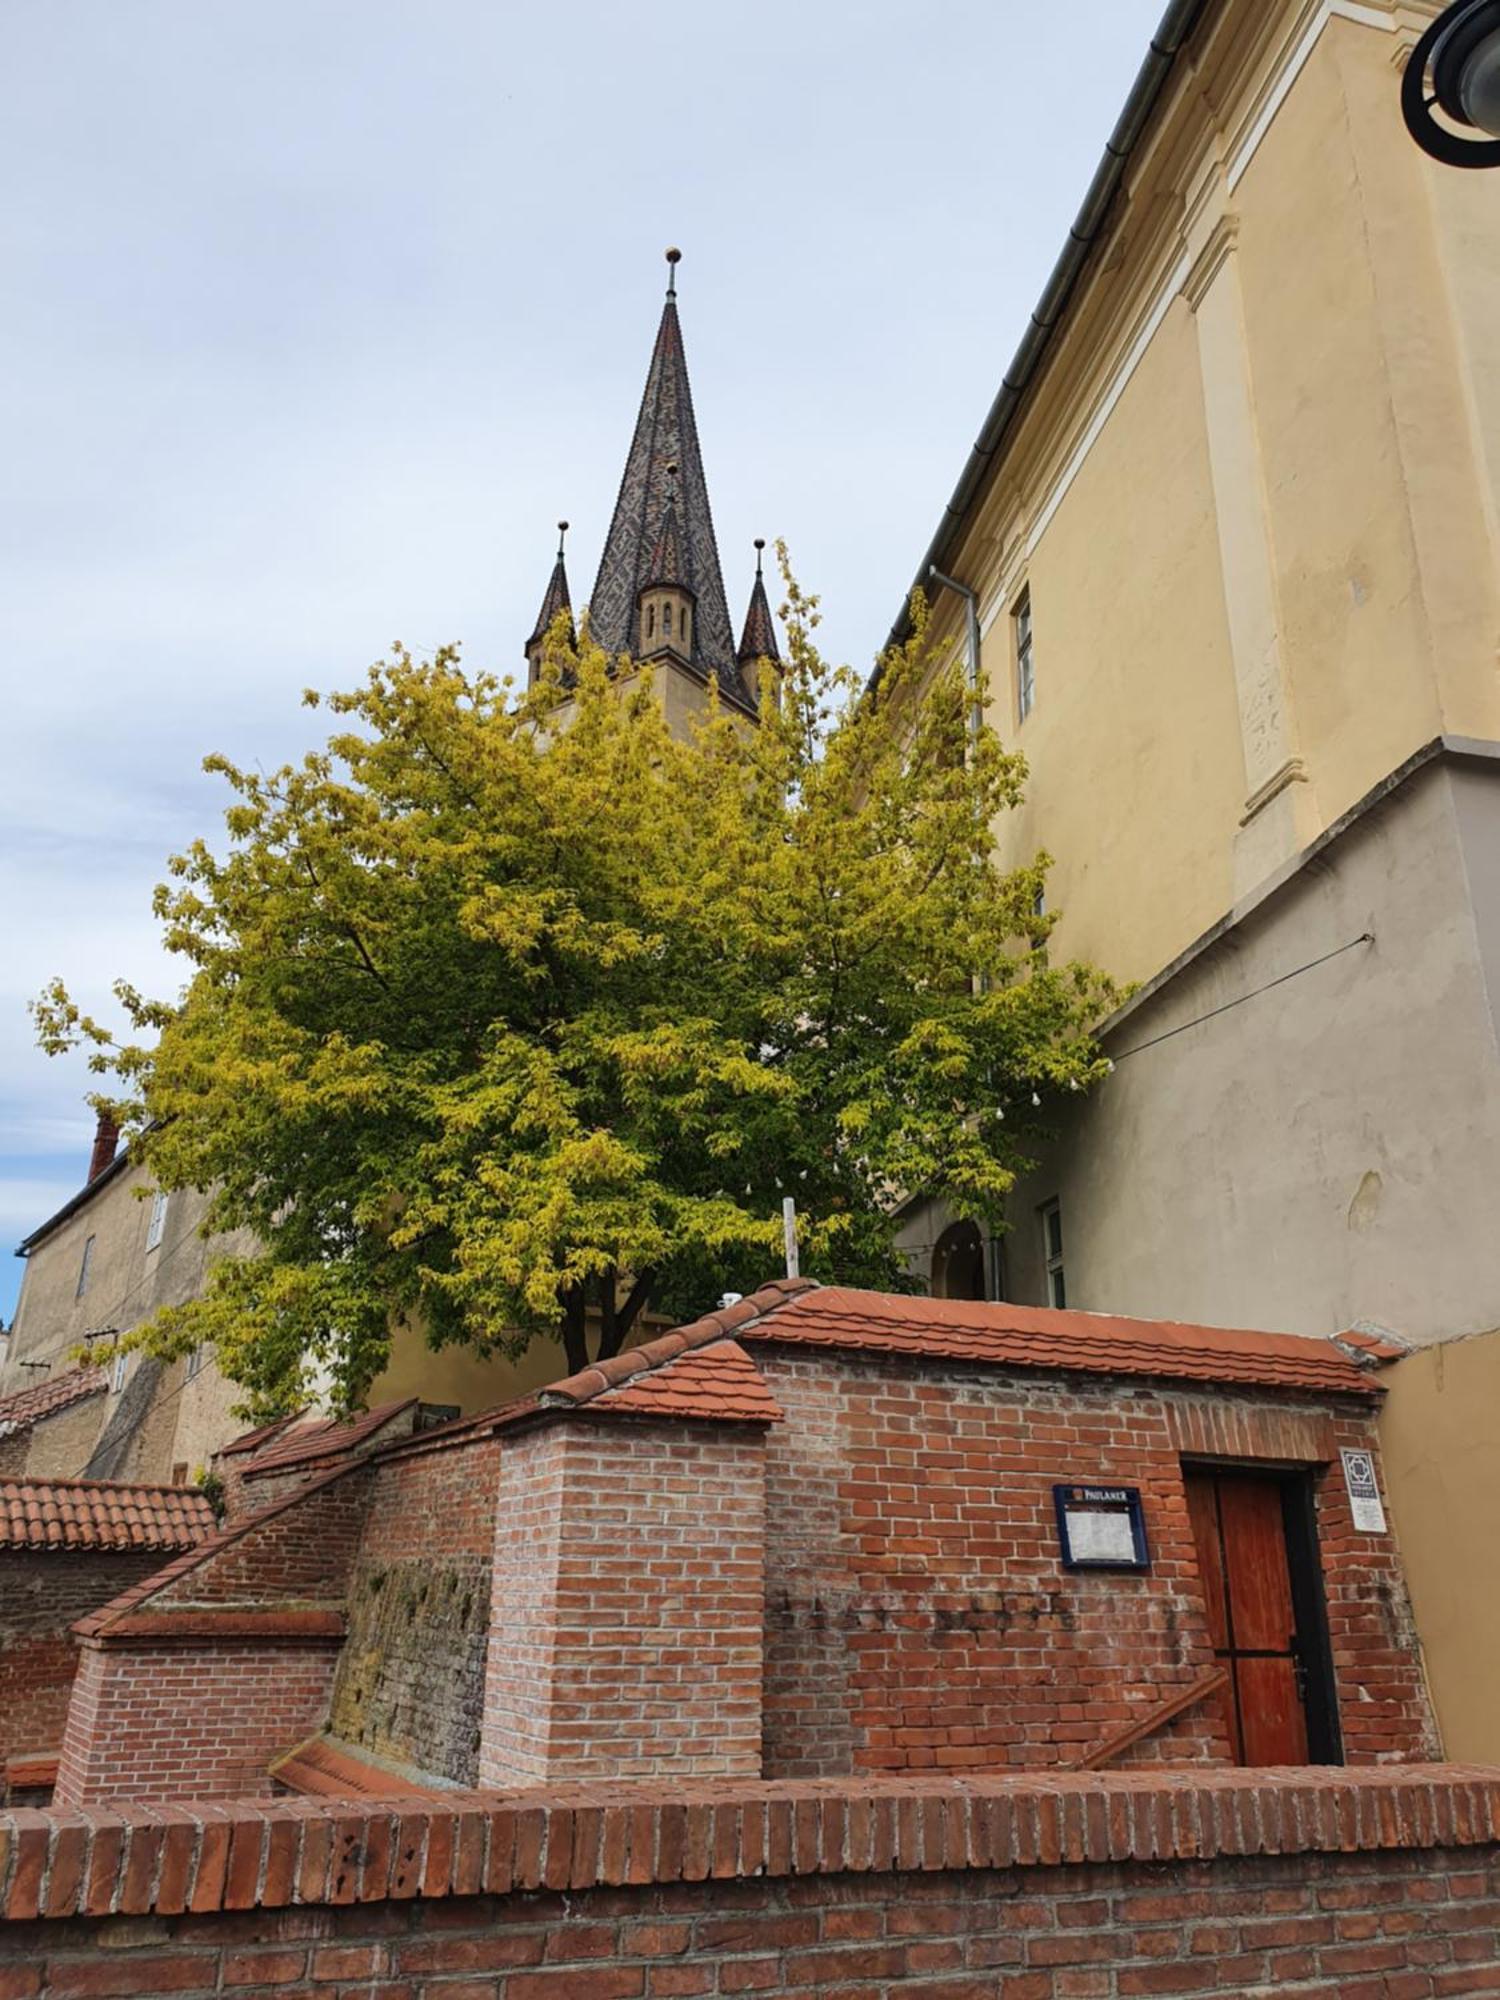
[1172, 32]
[72, 1205]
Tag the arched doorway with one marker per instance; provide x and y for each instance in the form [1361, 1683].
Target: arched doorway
[958, 1263]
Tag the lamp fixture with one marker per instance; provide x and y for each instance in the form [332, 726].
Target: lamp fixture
[1455, 70]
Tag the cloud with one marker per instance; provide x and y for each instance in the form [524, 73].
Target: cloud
[319, 317]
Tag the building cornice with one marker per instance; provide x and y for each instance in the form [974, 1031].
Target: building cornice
[1475, 752]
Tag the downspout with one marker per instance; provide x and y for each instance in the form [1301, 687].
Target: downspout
[1172, 31]
[971, 609]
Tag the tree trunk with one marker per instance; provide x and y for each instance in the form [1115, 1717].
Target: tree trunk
[575, 1329]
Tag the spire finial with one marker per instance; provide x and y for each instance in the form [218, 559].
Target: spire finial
[760, 542]
[674, 258]
[562, 529]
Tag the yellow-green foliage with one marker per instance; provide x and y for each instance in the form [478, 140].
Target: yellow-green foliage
[497, 1010]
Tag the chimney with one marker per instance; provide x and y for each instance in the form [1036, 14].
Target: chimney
[106, 1139]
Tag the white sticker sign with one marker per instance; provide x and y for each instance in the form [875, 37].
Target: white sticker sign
[1097, 1537]
[1364, 1494]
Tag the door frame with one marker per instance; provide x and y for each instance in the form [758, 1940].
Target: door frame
[1297, 1484]
[1299, 1511]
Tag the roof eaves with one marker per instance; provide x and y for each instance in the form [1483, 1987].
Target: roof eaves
[1051, 310]
[96, 1623]
[576, 1390]
[75, 1202]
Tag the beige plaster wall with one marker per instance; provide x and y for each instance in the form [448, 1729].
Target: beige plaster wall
[459, 1375]
[127, 1282]
[1439, 1452]
[1325, 1152]
[1132, 664]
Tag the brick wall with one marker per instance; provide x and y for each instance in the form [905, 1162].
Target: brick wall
[192, 1682]
[918, 1615]
[42, 1592]
[627, 1604]
[1380, 1887]
[410, 1682]
[196, 1717]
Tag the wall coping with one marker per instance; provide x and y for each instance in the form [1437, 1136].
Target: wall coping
[165, 1860]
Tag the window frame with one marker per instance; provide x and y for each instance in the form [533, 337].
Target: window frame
[1053, 1261]
[117, 1372]
[156, 1228]
[85, 1266]
[1023, 633]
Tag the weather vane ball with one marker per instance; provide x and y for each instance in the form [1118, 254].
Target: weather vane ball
[674, 255]
[562, 527]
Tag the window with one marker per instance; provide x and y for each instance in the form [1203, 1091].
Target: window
[117, 1374]
[666, 619]
[1025, 657]
[179, 1475]
[83, 1269]
[958, 1263]
[158, 1222]
[1052, 1252]
[650, 621]
[195, 1362]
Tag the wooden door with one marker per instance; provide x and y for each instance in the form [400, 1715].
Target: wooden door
[1239, 1526]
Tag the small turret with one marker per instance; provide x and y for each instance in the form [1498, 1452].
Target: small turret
[758, 660]
[556, 599]
[667, 602]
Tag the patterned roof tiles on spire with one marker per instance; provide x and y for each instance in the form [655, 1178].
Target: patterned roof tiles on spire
[556, 597]
[758, 641]
[666, 434]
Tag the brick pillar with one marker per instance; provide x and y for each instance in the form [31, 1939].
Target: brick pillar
[627, 1612]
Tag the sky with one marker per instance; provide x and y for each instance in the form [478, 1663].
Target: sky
[319, 315]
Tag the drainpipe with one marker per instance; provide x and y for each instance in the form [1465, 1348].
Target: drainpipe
[971, 608]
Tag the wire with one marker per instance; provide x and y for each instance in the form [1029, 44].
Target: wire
[1365, 937]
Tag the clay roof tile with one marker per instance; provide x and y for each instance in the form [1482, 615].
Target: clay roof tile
[1037, 1337]
[101, 1514]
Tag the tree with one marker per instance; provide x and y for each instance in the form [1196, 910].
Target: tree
[506, 1020]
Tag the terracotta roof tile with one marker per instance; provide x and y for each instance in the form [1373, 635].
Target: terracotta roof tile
[254, 1440]
[58, 1392]
[101, 1514]
[322, 1767]
[727, 1387]
[718, 1381]
[306, 1443]
[1012, 1336]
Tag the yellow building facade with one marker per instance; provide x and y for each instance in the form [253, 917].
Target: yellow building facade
[1250, 501]
[1231, 528]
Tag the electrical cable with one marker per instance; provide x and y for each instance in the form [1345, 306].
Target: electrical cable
[1365, 937]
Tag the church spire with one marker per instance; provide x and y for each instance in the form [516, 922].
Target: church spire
[662, 511]
[556, 599]
[758, 641]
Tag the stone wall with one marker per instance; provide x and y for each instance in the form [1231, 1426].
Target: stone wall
[1381, 1885]
[410, 1683]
